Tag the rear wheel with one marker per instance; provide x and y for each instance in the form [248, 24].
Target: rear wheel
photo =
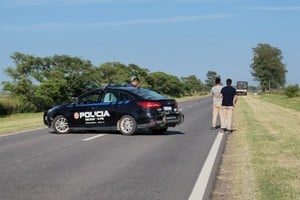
[159, 130]
[61, 125]
[127, 125]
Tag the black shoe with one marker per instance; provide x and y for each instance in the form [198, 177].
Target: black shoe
[213, 128]
[223, 130]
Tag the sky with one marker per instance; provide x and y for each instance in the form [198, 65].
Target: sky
[178, 37]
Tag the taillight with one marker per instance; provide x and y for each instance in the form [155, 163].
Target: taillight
[149, 104]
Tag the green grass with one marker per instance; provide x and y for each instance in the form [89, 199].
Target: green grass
[271, 134]
[282, 100]
[20, 122]
[189, 98]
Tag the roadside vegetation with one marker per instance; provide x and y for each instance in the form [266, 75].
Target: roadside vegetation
[261, 160]
[42, 82]
[20, 122]
[280, 99]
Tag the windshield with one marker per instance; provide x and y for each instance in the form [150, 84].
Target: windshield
[148, 94]
[242, 85]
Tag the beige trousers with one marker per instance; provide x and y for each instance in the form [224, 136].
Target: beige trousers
[226, 117]
[216, 113]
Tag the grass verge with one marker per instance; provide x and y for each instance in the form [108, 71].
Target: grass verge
[261, 160]
[282, 100]
[20, 122]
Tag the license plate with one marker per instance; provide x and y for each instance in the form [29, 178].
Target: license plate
[167, 108]
[171, 117]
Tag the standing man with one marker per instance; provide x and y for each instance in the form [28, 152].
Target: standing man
[135, 81]
[229, 101]
[217, 102]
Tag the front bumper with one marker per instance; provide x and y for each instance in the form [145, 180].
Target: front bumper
[46, 119]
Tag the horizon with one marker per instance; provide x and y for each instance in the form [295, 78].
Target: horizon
[177, 37]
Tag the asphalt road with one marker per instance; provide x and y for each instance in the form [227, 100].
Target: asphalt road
[42, 165]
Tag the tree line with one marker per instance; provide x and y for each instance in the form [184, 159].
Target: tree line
[41, 82]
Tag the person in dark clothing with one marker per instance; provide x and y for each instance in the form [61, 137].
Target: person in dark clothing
[229, 101]
[135, 81]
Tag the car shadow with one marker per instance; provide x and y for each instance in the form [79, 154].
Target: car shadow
[145, 132]
[149, 133]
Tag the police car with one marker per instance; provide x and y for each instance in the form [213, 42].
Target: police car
[123, 109]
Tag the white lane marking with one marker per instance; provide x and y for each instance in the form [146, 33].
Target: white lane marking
[202, 181]
[93, 137]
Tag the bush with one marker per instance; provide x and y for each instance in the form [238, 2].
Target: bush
[292, 91]
[7, 105]
[11, 105]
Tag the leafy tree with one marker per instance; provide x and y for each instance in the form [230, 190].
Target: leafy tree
[115, 72]
[41, 82]
[211, 77]
[191, 84]
[165, 84]
[292, 91]
[35, 79]
[267, 66]
[142, 73]
[74, 70]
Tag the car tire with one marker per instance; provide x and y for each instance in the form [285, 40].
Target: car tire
[61, 125]
[127, 125]
[159, 130]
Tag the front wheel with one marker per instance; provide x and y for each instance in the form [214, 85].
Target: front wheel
[61, 125]
[127, 125]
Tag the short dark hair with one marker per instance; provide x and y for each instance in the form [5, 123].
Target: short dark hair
[218, 80]
[228, 81]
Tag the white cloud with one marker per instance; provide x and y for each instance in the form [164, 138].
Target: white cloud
[15, 3]
[20, 3]
[29, 3]
[274, 8]
[175, 19]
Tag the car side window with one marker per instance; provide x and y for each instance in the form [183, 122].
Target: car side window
[109, 97]
[126, 96]
[89, 99]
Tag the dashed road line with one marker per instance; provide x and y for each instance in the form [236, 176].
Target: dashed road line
[92, 138]
[19, 132]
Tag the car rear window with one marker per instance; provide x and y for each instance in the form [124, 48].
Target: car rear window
[148, 94]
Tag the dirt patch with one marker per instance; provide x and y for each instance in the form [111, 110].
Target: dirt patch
[224, 183]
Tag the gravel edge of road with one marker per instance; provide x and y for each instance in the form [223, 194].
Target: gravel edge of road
[215, 170]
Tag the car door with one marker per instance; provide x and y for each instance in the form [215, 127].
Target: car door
[109, 105]
[86, 111]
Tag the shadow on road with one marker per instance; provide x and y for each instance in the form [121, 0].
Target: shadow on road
[145, 132]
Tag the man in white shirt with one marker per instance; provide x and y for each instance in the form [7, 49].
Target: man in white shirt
[217, 102]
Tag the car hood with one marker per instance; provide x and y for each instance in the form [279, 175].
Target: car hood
[57, 107]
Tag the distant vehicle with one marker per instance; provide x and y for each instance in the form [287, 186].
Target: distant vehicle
[125, 109]
[242, 87]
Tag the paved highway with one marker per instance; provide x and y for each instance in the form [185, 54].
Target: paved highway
[42, 165]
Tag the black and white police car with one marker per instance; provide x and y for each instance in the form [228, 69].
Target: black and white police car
[124, 109]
